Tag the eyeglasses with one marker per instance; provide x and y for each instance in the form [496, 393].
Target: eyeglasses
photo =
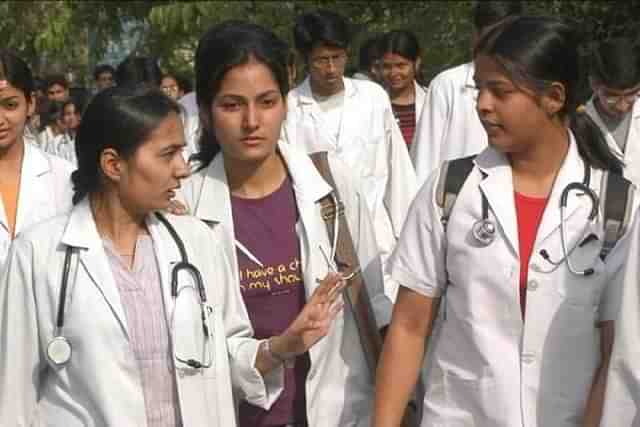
[169, 89]
[613, 100]
[338, 60]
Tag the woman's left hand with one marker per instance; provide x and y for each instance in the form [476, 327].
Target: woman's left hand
[314, 321]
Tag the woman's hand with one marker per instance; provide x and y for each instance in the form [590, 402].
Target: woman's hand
[314, 321]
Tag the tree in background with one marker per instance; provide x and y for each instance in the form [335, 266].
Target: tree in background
[74, 35]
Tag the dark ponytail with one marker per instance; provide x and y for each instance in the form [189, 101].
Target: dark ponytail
[592, 145]
[534, 51]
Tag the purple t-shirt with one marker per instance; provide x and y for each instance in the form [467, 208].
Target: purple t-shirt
[273, 294]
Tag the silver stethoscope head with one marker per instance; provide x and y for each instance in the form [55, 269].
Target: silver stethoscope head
[484, 231]
[59, 350]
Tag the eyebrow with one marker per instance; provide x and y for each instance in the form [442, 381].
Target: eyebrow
[242, 98]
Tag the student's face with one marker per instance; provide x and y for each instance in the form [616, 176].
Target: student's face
[247, 113]
[71, 117]
[104, 80]
[398, 72]
[169, 86]
[616, 103]
[15, 108]
[511, 116]
[149, 178]
[57, 92]
[326, 68]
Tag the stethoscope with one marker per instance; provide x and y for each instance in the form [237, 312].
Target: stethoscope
[59, 349]
[484, 230]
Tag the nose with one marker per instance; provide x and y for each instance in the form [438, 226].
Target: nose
[182, 169]
[251, 117]
[484, 103]
[331, 66]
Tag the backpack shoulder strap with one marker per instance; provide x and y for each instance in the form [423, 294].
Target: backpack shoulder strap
[452, 177]
[617, 200]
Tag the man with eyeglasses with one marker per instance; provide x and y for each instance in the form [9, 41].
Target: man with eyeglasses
[615, 80]
[353, 120]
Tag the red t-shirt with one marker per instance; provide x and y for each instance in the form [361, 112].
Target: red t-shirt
[529, 211]
[406, 117]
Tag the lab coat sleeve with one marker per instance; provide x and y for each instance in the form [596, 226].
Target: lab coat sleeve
[247, 381]
[364, 240]
[21, 358]
[622, 398]
[418, 261]
[431, 132]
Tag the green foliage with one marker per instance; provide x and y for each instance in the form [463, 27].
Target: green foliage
[50, 33]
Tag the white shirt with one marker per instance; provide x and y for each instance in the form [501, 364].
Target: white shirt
[369, 143]
[631, 154]
[449, 126]
[486, 367]
[191, 123]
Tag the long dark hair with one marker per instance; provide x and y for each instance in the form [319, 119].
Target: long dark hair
[533, 50]
[121, 118]
[15, 71]
[222, 48]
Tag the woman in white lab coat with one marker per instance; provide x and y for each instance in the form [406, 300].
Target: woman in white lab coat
[34, 186]
[103, 318]
[401, 76]
[615, 80]
[266, 195]
[526, 325]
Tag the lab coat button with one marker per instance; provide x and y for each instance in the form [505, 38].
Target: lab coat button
[532, 285]
[528, 358]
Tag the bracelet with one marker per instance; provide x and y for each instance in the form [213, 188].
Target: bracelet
[287, 362]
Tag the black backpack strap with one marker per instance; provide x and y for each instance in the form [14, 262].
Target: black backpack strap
[452, 177]
[617, 202]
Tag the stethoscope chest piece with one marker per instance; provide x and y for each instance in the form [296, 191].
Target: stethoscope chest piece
[484, 231]
[59, 350]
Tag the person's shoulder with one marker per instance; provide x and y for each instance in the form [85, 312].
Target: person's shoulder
[369, 87]
[44, 233]
[452, 76]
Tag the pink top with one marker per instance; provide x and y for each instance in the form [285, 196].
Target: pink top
[141, 298]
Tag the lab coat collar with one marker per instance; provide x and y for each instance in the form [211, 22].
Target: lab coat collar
[81, 232]
[305, 95]
[214, 199]
[498, 188]
[30, 198]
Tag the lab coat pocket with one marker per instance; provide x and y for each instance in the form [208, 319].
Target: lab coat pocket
[192, 327]
[581, 290]
[472, 402]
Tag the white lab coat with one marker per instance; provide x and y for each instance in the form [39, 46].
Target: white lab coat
[339, 389]
[63, 146]
[101, 385]
[190, 122]
[420, 100]
[622, 399]
[370, 144]
[449, 126]
[486, 367]
[45, 191]
[631, 154]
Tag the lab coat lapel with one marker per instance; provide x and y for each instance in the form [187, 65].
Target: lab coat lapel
[497, 187]
[81, 232]
[572, 170]
[350, 125]
[33, 196]
[214, 200]
[613, 145]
